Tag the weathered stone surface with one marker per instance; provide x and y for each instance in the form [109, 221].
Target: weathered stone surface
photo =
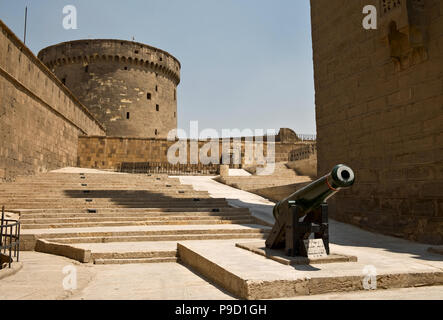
[380, 112]
[109, 152]
[279, 256]
[64, 250]
[40, 119]
[251, 276]
[129, 87]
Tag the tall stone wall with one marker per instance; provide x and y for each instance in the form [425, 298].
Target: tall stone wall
[379, 109]
[129, 87]
[110, 152]
[40, 119]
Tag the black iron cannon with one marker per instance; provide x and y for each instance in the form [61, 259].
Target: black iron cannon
[305, 212]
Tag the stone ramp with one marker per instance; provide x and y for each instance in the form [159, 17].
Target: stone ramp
[282, 175]
[250, 276]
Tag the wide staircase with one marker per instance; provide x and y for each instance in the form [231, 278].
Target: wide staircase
[120, 218]
[281, 176]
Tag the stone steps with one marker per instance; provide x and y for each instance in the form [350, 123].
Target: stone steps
[136, 217]
[60, 212]
[178, 237]
[83, 203]
[107, 197]
[246, 220]
[117, 211]
[30, 221]
[85, 184]
[134, 260]
[142, 233]
[79, 217]
[134, 255]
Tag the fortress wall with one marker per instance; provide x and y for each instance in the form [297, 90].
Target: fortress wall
[40, 120]
[381, 116]
[113, 79]
[110, 152]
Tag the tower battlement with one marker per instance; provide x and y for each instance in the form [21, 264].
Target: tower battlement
[130, 87]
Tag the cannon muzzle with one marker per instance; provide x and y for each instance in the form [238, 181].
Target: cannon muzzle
[313, 195]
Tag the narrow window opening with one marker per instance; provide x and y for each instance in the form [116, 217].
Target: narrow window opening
[156, 132]
[149, 96]
[157, 107]
[64, 80]
[156, 88]
[127, 115]
[175, 94]
[175, 114]
[86, 69]
[161, 59]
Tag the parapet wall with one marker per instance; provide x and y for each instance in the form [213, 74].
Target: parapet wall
[40, 119]
[129, 87]
[379, 98]
[110, 152]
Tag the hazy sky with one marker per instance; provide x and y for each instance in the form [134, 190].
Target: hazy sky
[245, 63]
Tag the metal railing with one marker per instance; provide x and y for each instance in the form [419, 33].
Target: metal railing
[170, 169]
[9, 239]
[307, 137]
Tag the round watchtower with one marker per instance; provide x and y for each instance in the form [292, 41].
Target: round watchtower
[130, 87]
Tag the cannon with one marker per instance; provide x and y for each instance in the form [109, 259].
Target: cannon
[305, 212]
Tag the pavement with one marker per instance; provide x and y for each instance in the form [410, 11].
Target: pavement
[259, 206]
[422, 293]
[42, 278]
[42, 275]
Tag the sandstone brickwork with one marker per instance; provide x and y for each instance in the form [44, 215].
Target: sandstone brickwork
[40, 119]
[379, 103]
[109, 152]
[129, 87]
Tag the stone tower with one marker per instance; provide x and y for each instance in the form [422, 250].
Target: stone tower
[129, 87]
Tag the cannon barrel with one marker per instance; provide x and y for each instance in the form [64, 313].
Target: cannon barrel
[314, 194]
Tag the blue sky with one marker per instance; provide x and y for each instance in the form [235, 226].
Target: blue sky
[245, 63]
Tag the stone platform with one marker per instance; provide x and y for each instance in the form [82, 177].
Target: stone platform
[248, 275]
[279, 255]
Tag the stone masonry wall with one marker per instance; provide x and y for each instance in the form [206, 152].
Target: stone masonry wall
[129, 87]
[110, 152]
[40, 120]
[379, 109]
